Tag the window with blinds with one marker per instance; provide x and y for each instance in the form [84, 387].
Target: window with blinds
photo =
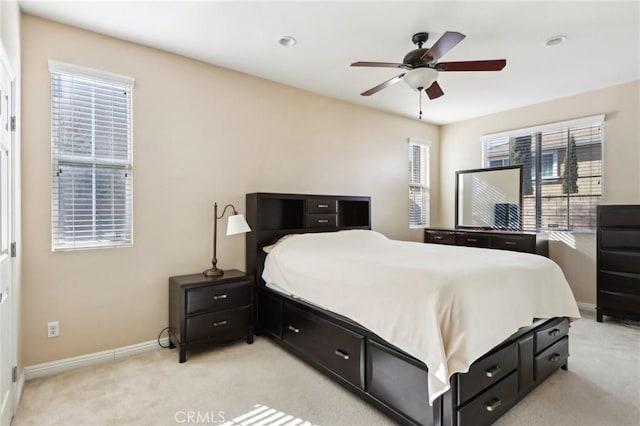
[91, 158]
[418, 184]
[562, 171]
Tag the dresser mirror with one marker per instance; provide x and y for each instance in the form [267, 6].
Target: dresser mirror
[489, 198]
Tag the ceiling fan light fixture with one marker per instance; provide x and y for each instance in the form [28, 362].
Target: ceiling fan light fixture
[420, 77]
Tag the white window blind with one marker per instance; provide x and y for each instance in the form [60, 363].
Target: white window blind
[91, 158]
[562, 172]
[418, 184]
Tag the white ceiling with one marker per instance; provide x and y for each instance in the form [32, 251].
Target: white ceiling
[602, 47]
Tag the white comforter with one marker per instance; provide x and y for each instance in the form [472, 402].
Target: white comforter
[444, 305]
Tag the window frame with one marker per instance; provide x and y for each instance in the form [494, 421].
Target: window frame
[97, 162]
[425, 186]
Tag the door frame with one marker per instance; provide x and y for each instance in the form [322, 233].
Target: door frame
[13, 165]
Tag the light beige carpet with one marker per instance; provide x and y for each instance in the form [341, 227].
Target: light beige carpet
[261, 384]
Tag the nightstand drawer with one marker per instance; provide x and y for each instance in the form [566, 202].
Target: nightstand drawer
[230, 322]
[550, 333]
[218, 297]
[321, 220]
[439, 237]
[321, 205]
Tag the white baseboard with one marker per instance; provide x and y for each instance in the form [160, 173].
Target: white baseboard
[66, 364]
[587, 306]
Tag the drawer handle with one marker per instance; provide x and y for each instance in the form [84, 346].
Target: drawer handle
[323, 220]
[510, 243]
[554, 332]
[439, 237]
[554, 357]
[295, 330]
[219, 296]
[341, 354]
[493, 371]
[218, 323]
[472, 240]
[323, 206]
[493, 404]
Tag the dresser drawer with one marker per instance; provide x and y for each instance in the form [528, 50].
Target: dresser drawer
[551, 332]
[619, 301]
[320, 205]
[485, 372]
[551, 359]
[524, 243]
[473, 240]
[619, 282]
[321, 220]
[440, 237]
[620, 261]
[620, 238]
[332, 346]
[491, 404]
[225, 323]
[619, 216]
[218, 297]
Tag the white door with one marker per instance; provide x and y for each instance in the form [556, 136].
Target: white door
[7, 339]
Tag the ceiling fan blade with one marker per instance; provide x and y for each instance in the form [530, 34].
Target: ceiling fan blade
[444, 44]
[490, 65]
[434, 91]
[381, 65]
[381, 86]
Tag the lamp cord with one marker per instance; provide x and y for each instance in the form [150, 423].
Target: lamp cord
[162, 331]
[420, 103]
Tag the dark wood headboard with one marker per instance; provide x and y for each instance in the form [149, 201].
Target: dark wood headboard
[272, 216]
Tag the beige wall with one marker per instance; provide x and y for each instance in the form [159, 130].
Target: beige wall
[201, 134]
[460, 148]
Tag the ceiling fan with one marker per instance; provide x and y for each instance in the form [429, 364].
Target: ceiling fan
[423, 67]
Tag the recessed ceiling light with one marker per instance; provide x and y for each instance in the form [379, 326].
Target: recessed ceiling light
[555, 40]
[287, 41]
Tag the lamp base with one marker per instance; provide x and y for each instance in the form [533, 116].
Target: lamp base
[213, 272]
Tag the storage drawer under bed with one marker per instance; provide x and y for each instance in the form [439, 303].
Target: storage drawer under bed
[330, 345]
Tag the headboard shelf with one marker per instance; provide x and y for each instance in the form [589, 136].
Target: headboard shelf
[273, 215]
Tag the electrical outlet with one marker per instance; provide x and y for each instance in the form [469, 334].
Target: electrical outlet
[53, 329]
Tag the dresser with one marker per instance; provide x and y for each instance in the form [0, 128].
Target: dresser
[205, 310]
[527, 242]
[618, 247]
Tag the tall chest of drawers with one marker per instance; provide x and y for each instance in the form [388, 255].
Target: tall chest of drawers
[618, 242]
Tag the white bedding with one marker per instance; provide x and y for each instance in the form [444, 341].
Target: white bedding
[444, 305]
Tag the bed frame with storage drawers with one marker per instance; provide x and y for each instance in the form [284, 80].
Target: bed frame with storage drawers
[370, 367]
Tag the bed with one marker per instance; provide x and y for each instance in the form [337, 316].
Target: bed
[483, 360]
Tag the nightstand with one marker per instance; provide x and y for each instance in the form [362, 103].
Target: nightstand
[205, 310]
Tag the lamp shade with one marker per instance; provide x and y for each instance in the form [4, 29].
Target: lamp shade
[421, 77]
[237, 225]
